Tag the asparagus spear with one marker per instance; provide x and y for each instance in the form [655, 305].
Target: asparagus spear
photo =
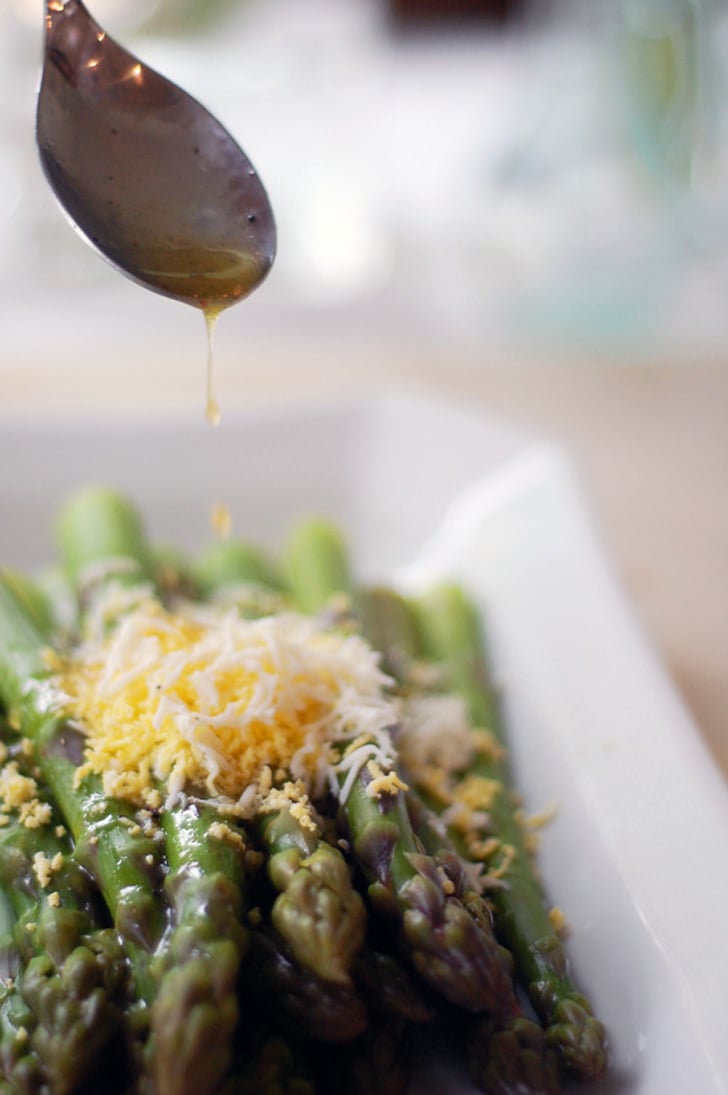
[443, 942]
[195, 1014]
[20, 1069]
[451, 634]
[455, 642]
[509, 1055]
[102, 540]
[75, 978]
[75, 975]
[125, 863]
[174, 575]
[195, 1010]
[235, 563]
[389, 989]
[9, 954]
[295, 1000]
[317, 912]
[379, 1060]
[101, 537]
[33, 599]
[273, 1067]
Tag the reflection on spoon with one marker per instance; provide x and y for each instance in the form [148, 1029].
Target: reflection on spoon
[147, 175]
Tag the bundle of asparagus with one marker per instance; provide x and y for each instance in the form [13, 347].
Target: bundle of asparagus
[226, 864]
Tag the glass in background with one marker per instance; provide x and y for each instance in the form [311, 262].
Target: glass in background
[600, 221]
[663, 66]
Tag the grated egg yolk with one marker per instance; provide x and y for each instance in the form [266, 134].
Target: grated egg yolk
[202, 701]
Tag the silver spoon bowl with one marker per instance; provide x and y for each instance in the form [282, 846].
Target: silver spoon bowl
[146, 174]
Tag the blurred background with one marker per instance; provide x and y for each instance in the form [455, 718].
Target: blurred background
[538, 178]
[519, 204]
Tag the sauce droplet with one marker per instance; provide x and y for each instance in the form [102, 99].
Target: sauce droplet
[212, 408]
[221, 520]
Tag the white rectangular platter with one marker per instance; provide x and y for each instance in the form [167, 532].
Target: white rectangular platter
[636, 856]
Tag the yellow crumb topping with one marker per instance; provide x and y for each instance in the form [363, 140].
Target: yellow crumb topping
[383, 783]
[34, 814]
[482, 850]
[540, 820]
[220, 831]
[293, 797]
[42, 869]
[19, 794]
[436, 782]
[508, 856]
[558, 921]
[54, 899]
[448, 886]
[487, 745]
[477, 792]
[16, 789]
[202, 701]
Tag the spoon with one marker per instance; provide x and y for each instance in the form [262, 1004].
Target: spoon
[147, 175]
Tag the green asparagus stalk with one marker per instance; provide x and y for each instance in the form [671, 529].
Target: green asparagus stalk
[9, 954]
[74, 981]
[512, 1059]
[20, 1069]
[387, 622]
[234, 563]
[445, 945]
[273, 1067]
[101, 537]
[379, 1060]
[317, 911]
[174, 575]
[510, 1054]
[389, 989]
[32, 597]
[295, 1000]
[195, 1014]
[124, 862]
[195, 1011]
[317, 566]
[235, 574]
[451, 634]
